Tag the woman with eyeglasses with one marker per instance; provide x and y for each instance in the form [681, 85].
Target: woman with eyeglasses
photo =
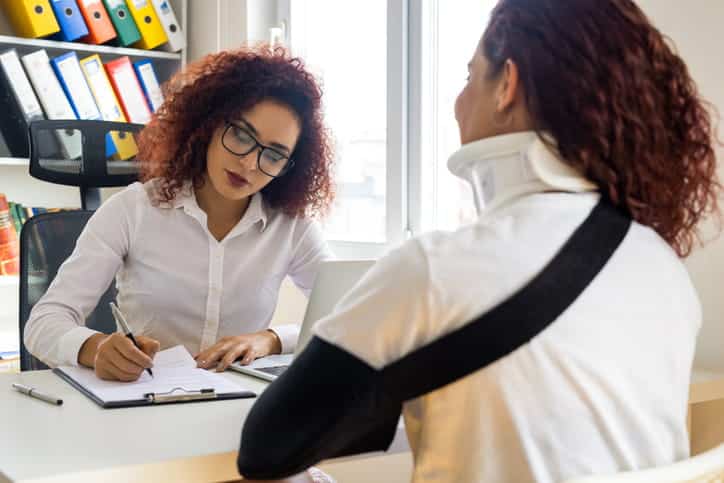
[235, 165]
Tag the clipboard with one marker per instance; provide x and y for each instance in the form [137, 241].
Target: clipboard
[175, 396]
[170, 367]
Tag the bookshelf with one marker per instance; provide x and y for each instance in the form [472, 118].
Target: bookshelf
[15, 181]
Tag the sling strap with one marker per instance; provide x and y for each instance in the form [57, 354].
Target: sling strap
[330, 403]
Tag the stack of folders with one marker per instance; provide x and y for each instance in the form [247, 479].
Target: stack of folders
[66, 87]
[9, 248]
[144, 24]
[12, 218]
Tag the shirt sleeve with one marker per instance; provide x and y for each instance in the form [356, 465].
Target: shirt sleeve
[55, 330]
[288, 335]
[310, 249]
[344, 408]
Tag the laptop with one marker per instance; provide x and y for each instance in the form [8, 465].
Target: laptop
[334, 279]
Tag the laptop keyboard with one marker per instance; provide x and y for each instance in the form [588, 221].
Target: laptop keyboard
[275, 371]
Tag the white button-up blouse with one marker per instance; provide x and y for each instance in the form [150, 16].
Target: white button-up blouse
[176, 283]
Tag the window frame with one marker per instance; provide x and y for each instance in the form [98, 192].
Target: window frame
[403, 202]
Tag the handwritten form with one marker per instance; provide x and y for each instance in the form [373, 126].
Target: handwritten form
[173, 369]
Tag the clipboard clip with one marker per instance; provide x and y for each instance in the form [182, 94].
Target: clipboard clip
[179, 394]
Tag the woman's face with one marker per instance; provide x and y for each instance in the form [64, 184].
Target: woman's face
[236, 177]
[490, 105]
[475, 105]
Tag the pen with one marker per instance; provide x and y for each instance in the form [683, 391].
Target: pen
[121, 320]
[32, 392]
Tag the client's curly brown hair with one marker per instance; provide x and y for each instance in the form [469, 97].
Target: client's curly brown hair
[619, 102]
[200, 98]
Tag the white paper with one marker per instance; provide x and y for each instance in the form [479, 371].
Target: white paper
[174, 371]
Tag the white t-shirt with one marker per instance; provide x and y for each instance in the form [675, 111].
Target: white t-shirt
[176, 282]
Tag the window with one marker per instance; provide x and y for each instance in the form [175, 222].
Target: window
[344, 43]
[391, 70]
[450, 33]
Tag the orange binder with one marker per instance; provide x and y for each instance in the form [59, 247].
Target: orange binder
[100, 28]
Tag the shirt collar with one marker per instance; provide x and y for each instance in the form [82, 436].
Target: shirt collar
[255, 212]
[503, 168]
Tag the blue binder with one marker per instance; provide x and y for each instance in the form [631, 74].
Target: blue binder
[72, 25]
[149, 83]
[67, 69]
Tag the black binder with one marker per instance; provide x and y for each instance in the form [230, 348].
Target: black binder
[20, 106]
[175, 396]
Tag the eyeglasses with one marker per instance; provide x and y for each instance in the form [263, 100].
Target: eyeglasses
[240, 142]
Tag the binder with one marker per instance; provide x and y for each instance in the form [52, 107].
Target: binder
[67, 68]
[100, 28]
[71, 78]
[169, 366]
[106, 100]
[149, 83]
[167, 17]
[53, 99]
[31, 18]
[19, 106]
[126, 31]
[128, 90]
[71, 22]
[152, 33]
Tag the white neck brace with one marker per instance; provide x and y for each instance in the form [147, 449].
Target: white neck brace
[505, 167]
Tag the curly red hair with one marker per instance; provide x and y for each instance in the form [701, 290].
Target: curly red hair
[619, 103]
[216, 88]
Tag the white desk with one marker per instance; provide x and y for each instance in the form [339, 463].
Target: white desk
[40, 440]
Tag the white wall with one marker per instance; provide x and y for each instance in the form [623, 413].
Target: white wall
[696, 29]
[225, 24]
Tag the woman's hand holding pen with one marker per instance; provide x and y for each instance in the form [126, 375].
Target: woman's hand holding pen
[247, 347]
[115, 358]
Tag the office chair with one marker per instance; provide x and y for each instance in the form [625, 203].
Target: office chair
[48, 239]
[707, 467]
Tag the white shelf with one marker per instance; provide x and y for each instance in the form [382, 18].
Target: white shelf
[9, 281]
[62, 163]
[107, 50]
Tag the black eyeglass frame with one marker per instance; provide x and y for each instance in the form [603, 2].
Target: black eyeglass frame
[257, 144]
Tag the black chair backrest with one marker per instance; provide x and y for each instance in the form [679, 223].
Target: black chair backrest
[89, 166]
[46, 241]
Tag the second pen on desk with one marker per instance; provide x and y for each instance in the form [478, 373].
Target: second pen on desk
[121, 320]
